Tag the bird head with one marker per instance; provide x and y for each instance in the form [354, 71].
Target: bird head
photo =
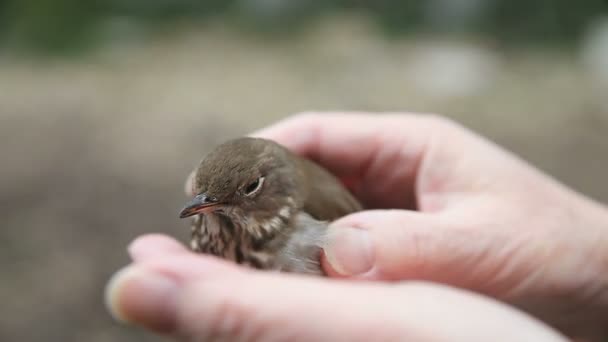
[246, 179]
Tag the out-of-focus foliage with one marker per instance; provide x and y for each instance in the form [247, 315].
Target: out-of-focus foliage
[53, 25]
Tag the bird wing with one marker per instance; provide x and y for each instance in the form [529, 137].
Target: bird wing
[327, 199]
[302, 250]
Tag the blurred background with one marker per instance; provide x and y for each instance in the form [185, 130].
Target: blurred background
[105, 107]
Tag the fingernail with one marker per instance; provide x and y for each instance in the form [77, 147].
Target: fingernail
[142, 297]
[349, 251]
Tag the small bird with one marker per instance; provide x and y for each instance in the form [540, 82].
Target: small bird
[260, 205]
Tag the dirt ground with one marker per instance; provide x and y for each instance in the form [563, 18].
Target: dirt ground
[95, 150]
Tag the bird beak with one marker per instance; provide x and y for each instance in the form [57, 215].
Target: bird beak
[200, 204]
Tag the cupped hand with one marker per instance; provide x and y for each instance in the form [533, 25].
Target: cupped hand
[453, 208]
[192, 297]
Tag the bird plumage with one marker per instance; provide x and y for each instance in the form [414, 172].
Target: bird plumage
[269, 208]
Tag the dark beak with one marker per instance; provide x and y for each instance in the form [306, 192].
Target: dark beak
[200, 204]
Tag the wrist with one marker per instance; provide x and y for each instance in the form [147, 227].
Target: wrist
[590, 246]
[601, 225]
[600, 222]
[603, 247]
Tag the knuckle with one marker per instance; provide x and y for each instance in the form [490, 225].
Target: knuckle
[420, 242]
[428, 122]
[316, 116]
[444, 128]
[439, 122]
[306, 116]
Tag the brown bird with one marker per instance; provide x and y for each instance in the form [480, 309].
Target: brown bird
[260, 205]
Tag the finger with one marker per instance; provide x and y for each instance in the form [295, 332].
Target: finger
[404, 245]
[379, 155]
[154, 245]
[143, 293]
[262, 306]
[336, 138]
[408, 161]
[340, 311]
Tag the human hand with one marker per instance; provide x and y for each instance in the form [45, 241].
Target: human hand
[484, 220]
[192, 297]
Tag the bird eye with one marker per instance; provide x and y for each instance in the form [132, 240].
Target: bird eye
[254, 187]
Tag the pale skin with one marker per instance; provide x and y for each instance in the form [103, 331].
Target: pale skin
[518, 255]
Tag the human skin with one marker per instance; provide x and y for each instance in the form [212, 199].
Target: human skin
[446, 206]
[484, 219]
[465, 213]
[170, 291]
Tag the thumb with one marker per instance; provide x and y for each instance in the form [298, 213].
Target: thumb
[220, 303]
[400, 244]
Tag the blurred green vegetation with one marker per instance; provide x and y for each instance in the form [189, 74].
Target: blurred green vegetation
[64, 25]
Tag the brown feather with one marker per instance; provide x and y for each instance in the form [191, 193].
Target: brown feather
[283, 226]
